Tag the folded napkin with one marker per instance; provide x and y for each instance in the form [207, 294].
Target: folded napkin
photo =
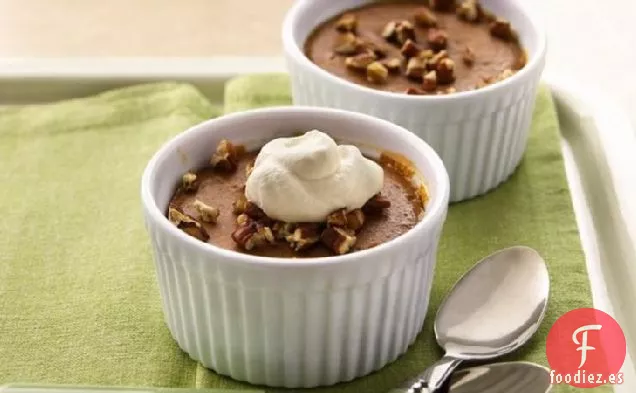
[79, 302]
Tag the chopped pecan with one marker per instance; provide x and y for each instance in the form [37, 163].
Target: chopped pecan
[432, 63]
[376, 204]
[360, 62]
[283, 229]
[393, 64]
[412, 91]
[346, 23]
[377, 73]
[468, 11]
[253, 211]
[429, 82]
[404, 31]
[252, 234]
[442, 5]
[243, 219]
[338, 218]
[425, 18]
[445, 71]
[207, 213]
[240, 205]
[375, 50]
[468, 56]
[226, 156]
[409, 49]
[348, 45]
[437, 39]
[188, 181]
[304, 236]
[187, 224]
[355, 219]
[502, 28]
[415, 68]
[389, 31]
[338, 240]
[427, 54]
[249, 168]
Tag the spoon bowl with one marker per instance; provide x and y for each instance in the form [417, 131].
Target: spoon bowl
[518, 377]
[493, 309]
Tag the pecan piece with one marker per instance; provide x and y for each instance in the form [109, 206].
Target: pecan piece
[437, 39]
[468, 11]
[468, 56]
[427, 54]
[409, 49]
[304, 236]
[432, 63]
[347, 23]
[253, 211]
[445, 71]
[425, 18]
[187, 224]
[207, 213]
[226, 156]
[337, 218]
[248, 169]
[393, 64]
[240, 205]
[429, 82]
[360, 62]
[376, 204]
[338, 240]
[404, 31]
[415, 68]
[389, 31]
[283, 229]
[501, 28]
[377, 73]
[348, 45]
[188, 181]
[243, 219]
[355, 220]
[252, 235]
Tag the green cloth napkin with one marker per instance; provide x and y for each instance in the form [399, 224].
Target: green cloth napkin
[79, 303]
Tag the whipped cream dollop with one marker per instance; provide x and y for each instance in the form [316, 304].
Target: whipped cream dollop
[304, 178]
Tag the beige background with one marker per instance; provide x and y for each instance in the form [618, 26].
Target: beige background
[589, 41]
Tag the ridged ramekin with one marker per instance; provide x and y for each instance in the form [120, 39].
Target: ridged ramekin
[284, 322]
[480, 135]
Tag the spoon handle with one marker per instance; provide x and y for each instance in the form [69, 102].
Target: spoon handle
[432, 379]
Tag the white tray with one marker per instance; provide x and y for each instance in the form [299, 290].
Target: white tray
[599, 148]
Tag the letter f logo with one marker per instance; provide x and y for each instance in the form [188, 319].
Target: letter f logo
[583, 343]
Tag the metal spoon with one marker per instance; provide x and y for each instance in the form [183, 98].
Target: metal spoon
[492, 310]
[518, 377]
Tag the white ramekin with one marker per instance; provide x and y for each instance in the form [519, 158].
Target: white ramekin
[480, 135]
[283, 322]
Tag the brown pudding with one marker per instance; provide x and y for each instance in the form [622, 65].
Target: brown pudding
[210, 205]
[406, 47]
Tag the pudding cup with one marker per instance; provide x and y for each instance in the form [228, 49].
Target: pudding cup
[480, 135]
[293, 322]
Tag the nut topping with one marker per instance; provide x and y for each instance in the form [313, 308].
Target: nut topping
[243, 219]
[399, 32]
[338, 240]
[338, 218]
[427, 54]
[501, 28]
[432, 63]
[429, 82]
[207, 213]
[360, 62]
[347, 23]
[415, 68]
[304, 236]
[468, 11]
[425, 18]
[248, 169]
[446, 71]
[188, 181]
[409, 49]
[253, 211]
[437, 39]
[393, 64]
[187, 224]
[252, 234]
[389, 31]
[348, 45]
[377, 73]
[376, 204]
[240, 205]
[283, 229]
[355, 220]
[226, 156]
[468, 56]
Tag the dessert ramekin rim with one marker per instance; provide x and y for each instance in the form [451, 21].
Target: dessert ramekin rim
[291, 47]
[433, 214]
